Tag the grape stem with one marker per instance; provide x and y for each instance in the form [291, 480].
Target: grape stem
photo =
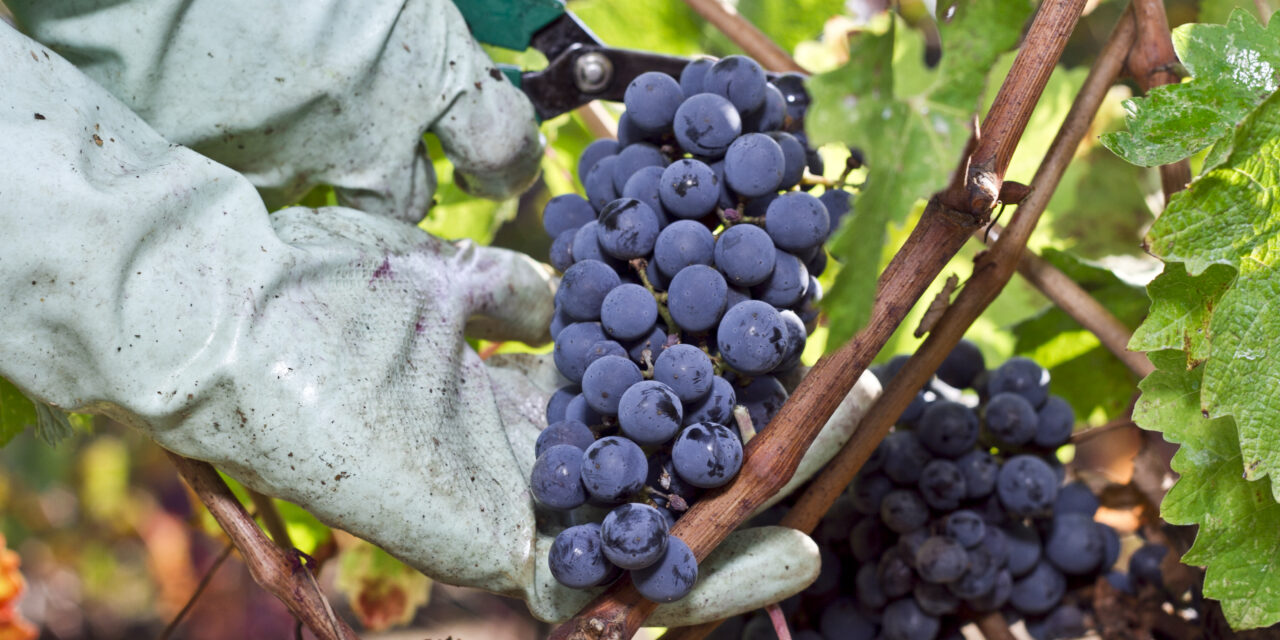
[278, 571]
[771, 458]
[745, 428]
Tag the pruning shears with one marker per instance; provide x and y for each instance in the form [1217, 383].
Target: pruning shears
[580, 68]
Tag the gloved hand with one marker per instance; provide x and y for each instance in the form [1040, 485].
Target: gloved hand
[297, 94]
[314, 354]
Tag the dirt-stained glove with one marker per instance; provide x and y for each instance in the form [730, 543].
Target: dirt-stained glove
[296, 94]
[317, 355]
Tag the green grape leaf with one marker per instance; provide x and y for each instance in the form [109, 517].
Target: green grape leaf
[1230, 216]
[1083, 371]
[912, 143]
[17, 412]
[1237, 519]
[1233, 67]
[1181, 306]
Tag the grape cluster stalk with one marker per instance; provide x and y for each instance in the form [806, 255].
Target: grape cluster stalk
[689, 287]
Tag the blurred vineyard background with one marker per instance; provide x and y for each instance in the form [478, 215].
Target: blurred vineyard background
[112, 545]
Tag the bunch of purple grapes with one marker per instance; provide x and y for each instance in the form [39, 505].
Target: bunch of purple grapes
[689, 284]
[962, 510]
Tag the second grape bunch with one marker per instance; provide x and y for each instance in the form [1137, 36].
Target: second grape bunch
[689, 286]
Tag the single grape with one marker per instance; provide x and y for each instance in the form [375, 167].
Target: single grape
[633, 158]
[586, 245]
[771, 114]
[1024, 549]
[613, 468]
[571, 348]
[681, 244]
[565, 213]
[792, 87]
[604, 348]
[836, 523]
[657, 279]
[650, 413]
[1075, 498]
[599, 183]
[868, 538]
[706, 124]
[1110, 546]
[980, 470]
[1121, 581]
[579, 410]
[687, 370]
[896, 575]
[707, 455]
[979, 578]
[564, 432]
[996, 543]
[1067, 621]
[584, 287]
[904, 510]
[561, 254]
[559, 320]
[738, 78]
[752, 337]
[904, 457]
[1011, 419]
[942, 485]
[1075, 545]
[868, 491]
[797, 221]
[595, 152]
[941, 560]
[576, 558]
[962, 365]
[628, 312]
[903, 620]
[692, 74]
[763, 397]
[935, 599]
[997, 597]
[793, 154]
[816, 262]
[716, 407]
[671, 577]
[634, 535]
[558, 401]
[628, 229]
[948, 429]
[964, 526]
[1056, 422]
[628, 132]
[786, 286]
[1038, 591]
[652, 99]
[1026, 485]
[1023, 377]
[1144, 564]
[696, 298]
[689, 188]
[754, 165]
[841, 620]
[605, 380]
[556, 480]
[796, 338]
[745, 254]
[643, 186]
[838, 203]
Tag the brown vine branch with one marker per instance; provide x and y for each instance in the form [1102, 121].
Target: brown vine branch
[277, 571]
[745, 35]
[1152, 62]
[1008, 116]
[271, 519]
[598, 120]
[772, 456]
[1077, 303]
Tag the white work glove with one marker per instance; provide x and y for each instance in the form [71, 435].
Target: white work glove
[316, 355]
[296, 94]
